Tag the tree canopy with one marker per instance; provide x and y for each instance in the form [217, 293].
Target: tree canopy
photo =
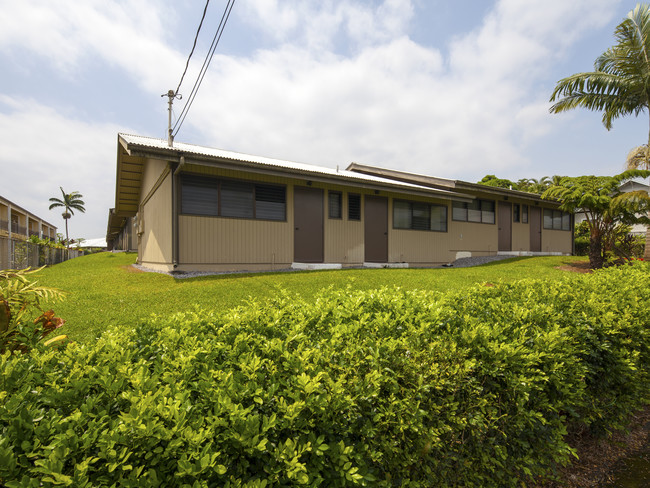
[70, 202]
[604, 206]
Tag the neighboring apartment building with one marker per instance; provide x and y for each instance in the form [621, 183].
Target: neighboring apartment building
[18, 223]
[190, 208]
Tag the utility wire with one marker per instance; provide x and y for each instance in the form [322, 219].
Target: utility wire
[205, 9]
[204, 68]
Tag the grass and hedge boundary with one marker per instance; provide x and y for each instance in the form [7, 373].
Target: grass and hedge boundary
[388, 387]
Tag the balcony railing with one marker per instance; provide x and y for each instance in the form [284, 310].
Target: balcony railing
[34, 233]
[4, 225]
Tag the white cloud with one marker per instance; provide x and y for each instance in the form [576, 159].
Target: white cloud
[395, 102]
[340, 81]
[49, 150]
[319, 25]
[68, 35]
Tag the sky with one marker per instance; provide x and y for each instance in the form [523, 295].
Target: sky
[450, 89]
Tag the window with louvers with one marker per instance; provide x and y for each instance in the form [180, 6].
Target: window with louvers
[237, 199]
[199, 195]
[202, 195]
[354, 206]
[270, 202]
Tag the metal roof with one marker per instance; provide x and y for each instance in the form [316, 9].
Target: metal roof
[436, 182]
[134, 146]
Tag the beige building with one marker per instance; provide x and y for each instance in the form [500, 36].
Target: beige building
[190, 208]
[18, 223]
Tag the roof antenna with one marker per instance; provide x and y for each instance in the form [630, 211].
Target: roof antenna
[171, 94]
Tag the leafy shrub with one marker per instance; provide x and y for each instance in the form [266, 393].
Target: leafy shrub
[20, 298]
[368, 388]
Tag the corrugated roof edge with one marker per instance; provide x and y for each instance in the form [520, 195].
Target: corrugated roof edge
[132, 142]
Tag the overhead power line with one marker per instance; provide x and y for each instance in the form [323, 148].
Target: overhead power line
[204, 68]
[205, 9]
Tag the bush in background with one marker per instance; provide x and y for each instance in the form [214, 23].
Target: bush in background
[357, 388]
[20, 301]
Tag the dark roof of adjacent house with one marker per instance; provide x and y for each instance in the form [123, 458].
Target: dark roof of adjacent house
[443, 183]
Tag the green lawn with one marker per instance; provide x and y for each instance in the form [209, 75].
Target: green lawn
[103, 289]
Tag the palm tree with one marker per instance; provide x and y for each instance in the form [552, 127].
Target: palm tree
[71, 201]
[619, 84]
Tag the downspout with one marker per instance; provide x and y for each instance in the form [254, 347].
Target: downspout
[175, 211]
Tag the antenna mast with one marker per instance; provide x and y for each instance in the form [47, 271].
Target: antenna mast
[171, 94]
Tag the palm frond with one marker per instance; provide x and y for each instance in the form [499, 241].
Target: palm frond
[619, 84]
[638, 157]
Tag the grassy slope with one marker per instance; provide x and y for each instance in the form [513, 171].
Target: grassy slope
[103, 289]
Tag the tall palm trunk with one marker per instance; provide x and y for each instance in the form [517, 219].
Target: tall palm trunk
[67, 239]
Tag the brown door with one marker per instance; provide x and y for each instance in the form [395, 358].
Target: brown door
[505, 226]
[376, 229]
[535, 229]
[308, 220]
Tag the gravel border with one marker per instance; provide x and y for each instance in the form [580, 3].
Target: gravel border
[475, 261]
[180, 275]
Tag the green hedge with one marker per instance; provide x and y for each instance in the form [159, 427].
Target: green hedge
[376, 388]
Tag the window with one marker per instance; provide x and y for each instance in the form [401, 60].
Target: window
[354, 206]
[439, 218]
[516, 213]
[199, 196]
[557, 220]
[334, 204]
[487, 212]
[204, 195]
[524, 214]
[419, 216]
[475, 211]
[237, 199]
[270, 202]
[566, 221]
[401, 214]
[459, 211]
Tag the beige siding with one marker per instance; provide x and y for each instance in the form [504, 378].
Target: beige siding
[418, 247]
[427, 247]
[344, 241]
[156, 227]
[206, 240]
[153, 168]
[520, 236]
[479, 239]
[343, 237]
[225, 244]
[556, 241]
